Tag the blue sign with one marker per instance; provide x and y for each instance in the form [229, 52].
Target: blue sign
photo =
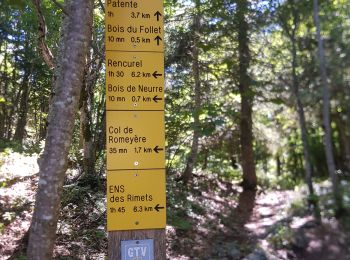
[137, 249]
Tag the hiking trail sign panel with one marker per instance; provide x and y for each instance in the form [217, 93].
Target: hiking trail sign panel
[135, 135]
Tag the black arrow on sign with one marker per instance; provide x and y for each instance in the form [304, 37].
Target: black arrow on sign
[158, 14]
[157, 149]
[156, 74]
[158, 39]
[156, 98]
[157, 207]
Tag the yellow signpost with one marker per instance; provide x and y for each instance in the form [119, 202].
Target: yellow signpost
[135, 135]
[134, 25]
[135, 140]
[132, 202]
[135, 81]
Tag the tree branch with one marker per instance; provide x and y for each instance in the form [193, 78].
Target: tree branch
[102, 6]
[45, 50]
[60, 6]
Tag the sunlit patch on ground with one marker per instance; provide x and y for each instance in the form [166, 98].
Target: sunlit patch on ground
[18, 175]
[15, 165]
[269, 209]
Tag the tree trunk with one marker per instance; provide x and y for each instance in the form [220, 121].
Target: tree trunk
[326, 115]
[74, 44]
[15, 98]
[278, 165]
[191, 162]
[247, 95]
[100, 136]
[42, 119]
[299, 104]
[86, 134]
[3, 87]
[11, 111]
[344, 141]
[23, 108]
[89, 142]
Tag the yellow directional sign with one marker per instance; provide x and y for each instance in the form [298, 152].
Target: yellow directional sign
[134, 25]
[135, 140]
[135, 135]
[136, 200]
[135, 81]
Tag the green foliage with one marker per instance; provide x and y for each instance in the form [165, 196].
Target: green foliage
[29, 148]
[93, 236]
[198, 209]
[179, 221]
[318, 156]
[3, 184]
[2, 226]
[8, 216]
[286, 181]
[345, 220]
[10, 146]
[75, 195]
[298, 208]
[282, 236]
[275, 123]
[20, 4]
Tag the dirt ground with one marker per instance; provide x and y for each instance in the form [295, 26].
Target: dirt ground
[220, 222]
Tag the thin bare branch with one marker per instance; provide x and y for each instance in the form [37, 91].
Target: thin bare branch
[45, 50]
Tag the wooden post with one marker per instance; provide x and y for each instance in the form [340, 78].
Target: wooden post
[135, 135]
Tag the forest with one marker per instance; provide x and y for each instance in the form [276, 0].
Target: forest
[257, 127]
